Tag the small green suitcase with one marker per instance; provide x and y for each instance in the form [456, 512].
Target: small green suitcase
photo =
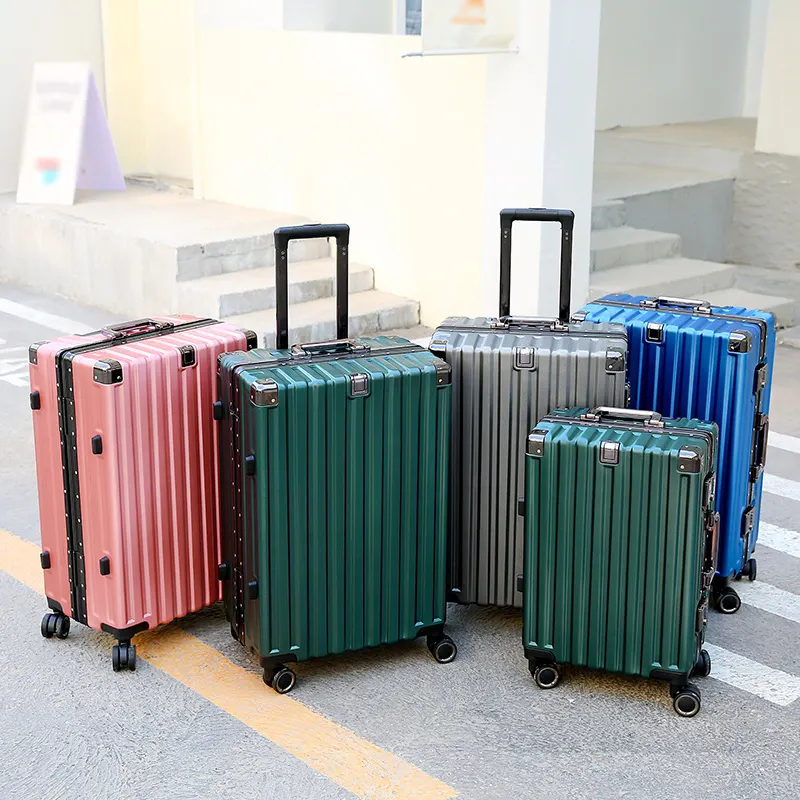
[620, 546]
[334, 474]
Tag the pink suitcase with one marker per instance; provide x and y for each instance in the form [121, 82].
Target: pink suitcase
[126, 461]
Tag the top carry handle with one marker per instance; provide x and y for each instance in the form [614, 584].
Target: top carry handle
[700, 306]
[631, 414]
[136, 327]
[567, 221]
[282, 238]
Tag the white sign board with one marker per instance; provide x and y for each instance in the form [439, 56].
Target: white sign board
[468, 25]
[67, 142]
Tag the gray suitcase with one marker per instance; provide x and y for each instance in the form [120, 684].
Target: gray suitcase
[508, 373]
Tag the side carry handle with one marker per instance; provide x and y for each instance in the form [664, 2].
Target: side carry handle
[135, 327]
[647, 417]
[701, 306]
[508, 216]
[337, 345]
[282, 238]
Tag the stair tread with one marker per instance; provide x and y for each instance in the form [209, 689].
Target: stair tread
[619, 237]
[254, 279]
[419, 335]
[790, 337]
[741, 297]
[628, 277]
[322, 310]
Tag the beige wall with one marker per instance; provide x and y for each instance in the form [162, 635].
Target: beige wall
[39, 30]
[148, 45]
[395, 148]
[779, 110]
[665, 61]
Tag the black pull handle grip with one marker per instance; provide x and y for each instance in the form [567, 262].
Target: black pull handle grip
[567, 221]
[282, 238]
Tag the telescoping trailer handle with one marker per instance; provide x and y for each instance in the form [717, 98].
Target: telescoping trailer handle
[339, 232]
[508, 216]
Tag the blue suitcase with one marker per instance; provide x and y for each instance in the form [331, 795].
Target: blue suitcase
[687, 359]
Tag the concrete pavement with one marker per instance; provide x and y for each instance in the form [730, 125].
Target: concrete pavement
[195, 721]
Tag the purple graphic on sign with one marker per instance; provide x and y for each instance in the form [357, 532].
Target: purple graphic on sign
[99, 165]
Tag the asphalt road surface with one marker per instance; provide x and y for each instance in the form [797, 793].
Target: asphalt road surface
[195, 721]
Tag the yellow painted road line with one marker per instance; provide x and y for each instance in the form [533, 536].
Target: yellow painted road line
[336, 752]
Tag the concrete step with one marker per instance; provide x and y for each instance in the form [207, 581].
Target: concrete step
[715, 146]
[696, 206]
[125, 251]
[672, 277]
[234, 293]
[769, 280]
[370, 313]
[783, 308]
[609, 214]
[619, 247]
[419, 335]
[790, 337]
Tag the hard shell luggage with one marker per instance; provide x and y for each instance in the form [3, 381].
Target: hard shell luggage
[508, 372]
[126, 464]
[334, 472]
[620, 539]
[688, 359]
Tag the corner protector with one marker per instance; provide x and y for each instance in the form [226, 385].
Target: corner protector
[33, 352]
[536, 440]
[264, 394]
[107, 372]
[615, 361]
[740, 342]
[690, 461]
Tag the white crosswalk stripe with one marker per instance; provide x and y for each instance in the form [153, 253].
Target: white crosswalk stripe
[43, 318]
[777, 538]
[751, 676]
[770, 598]
[783, 487]
[784, 442]
[776, 686]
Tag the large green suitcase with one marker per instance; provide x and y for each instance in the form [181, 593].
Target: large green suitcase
[334, 474]
[620, 546]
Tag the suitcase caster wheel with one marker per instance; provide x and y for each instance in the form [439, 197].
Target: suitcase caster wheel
[686, 700]
[55, 624]
[751, 569]
[727, 601]
[48, 625]
[442, 648]
[62, 626]
[546, 677]
[123, 656]
[703, 666]
[282, 680]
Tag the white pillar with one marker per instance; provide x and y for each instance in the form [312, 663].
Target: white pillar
[779, 109]
[540, 123]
